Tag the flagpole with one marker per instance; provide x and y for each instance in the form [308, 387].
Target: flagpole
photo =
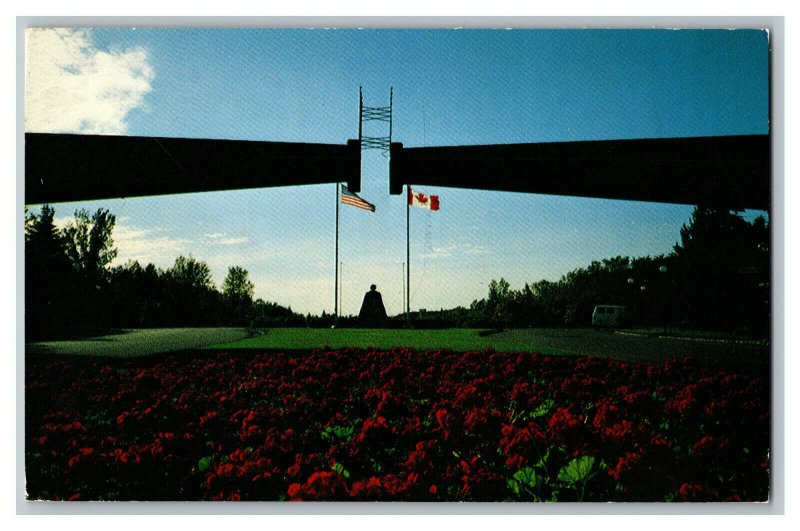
[336, 279]
[403, 280]
[408, 256]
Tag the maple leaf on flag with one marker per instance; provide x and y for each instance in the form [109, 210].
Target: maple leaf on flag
[418, 199]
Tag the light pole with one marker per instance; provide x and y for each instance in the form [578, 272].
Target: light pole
[663, 270]
[630, 301]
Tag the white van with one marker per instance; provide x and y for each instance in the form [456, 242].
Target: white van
[609, 315]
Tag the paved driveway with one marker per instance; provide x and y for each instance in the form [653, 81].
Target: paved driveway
[140, 342]
[648, 349]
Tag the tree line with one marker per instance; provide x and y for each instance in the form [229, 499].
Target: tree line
[716, 278]
[72, 290]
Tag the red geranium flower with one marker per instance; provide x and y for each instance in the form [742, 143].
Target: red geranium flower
[319, 486]
[691, 492]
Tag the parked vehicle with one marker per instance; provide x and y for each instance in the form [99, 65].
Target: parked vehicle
[609, 315]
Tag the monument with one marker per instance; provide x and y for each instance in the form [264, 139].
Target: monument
[373, 313]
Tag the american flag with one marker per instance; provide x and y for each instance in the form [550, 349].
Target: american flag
[349, 198]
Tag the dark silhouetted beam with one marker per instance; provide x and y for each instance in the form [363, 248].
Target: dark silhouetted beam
[730, 171]
[61, 167]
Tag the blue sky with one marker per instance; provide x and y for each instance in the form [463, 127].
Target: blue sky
[451, 87]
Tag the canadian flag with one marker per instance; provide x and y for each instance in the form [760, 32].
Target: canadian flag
[418, 199]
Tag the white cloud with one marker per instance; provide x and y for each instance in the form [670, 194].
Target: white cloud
[151, 245]
[222, 238]
[147, 245]
[73, 87]
[476, 249]
[455, 249]
[63, 221]
[233, 241]
[438, 252]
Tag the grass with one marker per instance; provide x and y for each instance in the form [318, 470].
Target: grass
[136, 342]
[457, 339]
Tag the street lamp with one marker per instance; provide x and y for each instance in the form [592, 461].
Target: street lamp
[663, 269]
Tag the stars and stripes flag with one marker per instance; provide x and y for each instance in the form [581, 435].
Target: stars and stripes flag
[350, 198]
[418, 199]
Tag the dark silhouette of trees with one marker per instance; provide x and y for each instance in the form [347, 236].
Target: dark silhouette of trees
[138, 295]
[266, 314]
[72, 290]
[237, 292]
[499, 302]
[48, 289]
[190, 296]
[66, 287]
[237, 285]
[723, 271]
[717, 278]
[88, 243]
[90, 249]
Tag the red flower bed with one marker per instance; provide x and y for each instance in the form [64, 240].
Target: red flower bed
[394, 425]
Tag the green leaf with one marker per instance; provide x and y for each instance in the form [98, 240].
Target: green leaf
[340, 469]
[578, 470]
[205, 463]
[538, 380]
[340, 433]
[543, 408]
[513, 485]
[525, 480]
[376, 466]
[527, 477]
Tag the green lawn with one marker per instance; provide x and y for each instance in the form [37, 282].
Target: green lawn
[456, 339]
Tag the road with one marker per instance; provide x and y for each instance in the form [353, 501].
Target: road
[646, 349]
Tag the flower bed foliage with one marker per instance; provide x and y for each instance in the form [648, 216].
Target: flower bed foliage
[394, 425]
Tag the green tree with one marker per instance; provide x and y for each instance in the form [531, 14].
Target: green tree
[43, 240]
[191, 273]
[549, 301]
[722, 271]
[498, 302]
[191, 298]
[137, 294]
[237, 291]
[89, 244]
[237, 285]
[90, 249]
[48, 278]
